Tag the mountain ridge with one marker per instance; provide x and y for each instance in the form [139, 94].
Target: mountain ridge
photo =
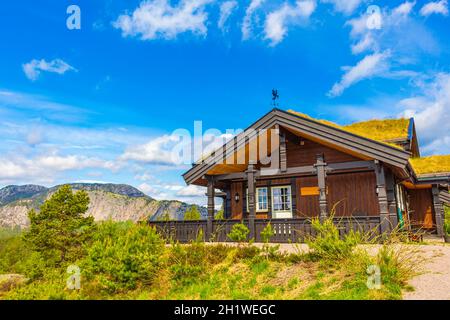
[118, 202]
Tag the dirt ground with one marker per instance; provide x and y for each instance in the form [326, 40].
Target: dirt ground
[433, 280]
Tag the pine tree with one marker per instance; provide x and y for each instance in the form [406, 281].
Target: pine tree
[192, 214]
[60, 229]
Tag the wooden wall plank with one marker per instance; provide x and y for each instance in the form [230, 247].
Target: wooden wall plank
[421, 207]
[353, 194]
[303, 155]
[237, 207]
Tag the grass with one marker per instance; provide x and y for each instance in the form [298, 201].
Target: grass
[332, 269]
[431, 164]
[378, 130]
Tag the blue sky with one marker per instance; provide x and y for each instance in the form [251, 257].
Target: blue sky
[100, 103]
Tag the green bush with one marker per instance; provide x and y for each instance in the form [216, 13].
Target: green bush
[239, 233]
[267, 233]
[17, 257]
[397, 265]
[327, 243]
[270, 251]
[219, 215]
[447, 220]
[123, 256]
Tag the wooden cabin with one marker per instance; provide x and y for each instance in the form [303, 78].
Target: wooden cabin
[367, 174]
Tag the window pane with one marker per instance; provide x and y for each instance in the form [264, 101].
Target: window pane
[262, 199]
[282, 199]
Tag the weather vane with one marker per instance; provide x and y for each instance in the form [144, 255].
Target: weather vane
[275, 97]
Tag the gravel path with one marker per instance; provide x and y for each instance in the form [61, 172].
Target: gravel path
[434, 282]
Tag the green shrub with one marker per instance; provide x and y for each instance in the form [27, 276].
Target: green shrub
[187, 263]
[267, 233]
[219, 215]
[270, 251]
[397, 265]
[327, 243]
[239, 233]
[447, 220]
[17, 257]
[123, 256]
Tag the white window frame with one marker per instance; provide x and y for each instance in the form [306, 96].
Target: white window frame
[258, 209]
[282, 214]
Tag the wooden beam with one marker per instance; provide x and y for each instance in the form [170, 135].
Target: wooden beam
[321, 176]
[251, 187]
[210, 193]
[438, 210]
[382, 197]
[299, 170]
[283, 153]
[350, 165]
[392, 204]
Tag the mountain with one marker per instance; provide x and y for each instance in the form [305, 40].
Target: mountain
[13, 193]
[118, 202]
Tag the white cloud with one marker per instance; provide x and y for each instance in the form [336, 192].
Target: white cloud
[430, 110]
[276, 21]
[45, 167]
[159, 19]
[438, 7]
[191, 191]
[344, 6]
[35, 136]
[404, 9]
[33, 68]
[247, 22]
[226, 9]
[146, 176]
[370, 38]
[370, 66]
[366, 43]
[148, 189]
[157, 151]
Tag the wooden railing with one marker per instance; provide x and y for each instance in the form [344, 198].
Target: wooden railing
[285, 230]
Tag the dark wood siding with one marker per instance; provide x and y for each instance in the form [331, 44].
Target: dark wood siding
[306, 206]
[353, 194]
[237, 207]
[421, 207]
[305, 155]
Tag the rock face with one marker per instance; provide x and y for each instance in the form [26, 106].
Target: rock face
[117, 202]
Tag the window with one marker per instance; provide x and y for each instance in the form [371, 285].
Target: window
[281, 202]
[261, 199]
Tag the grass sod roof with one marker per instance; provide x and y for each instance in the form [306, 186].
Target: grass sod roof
[432, 164]
[378, 130]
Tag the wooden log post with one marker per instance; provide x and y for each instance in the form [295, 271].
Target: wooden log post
[382, 198]
[283, 153]
[251, 185]
[392, 205]
[211, 208]
[438, 210]
[320, 166]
